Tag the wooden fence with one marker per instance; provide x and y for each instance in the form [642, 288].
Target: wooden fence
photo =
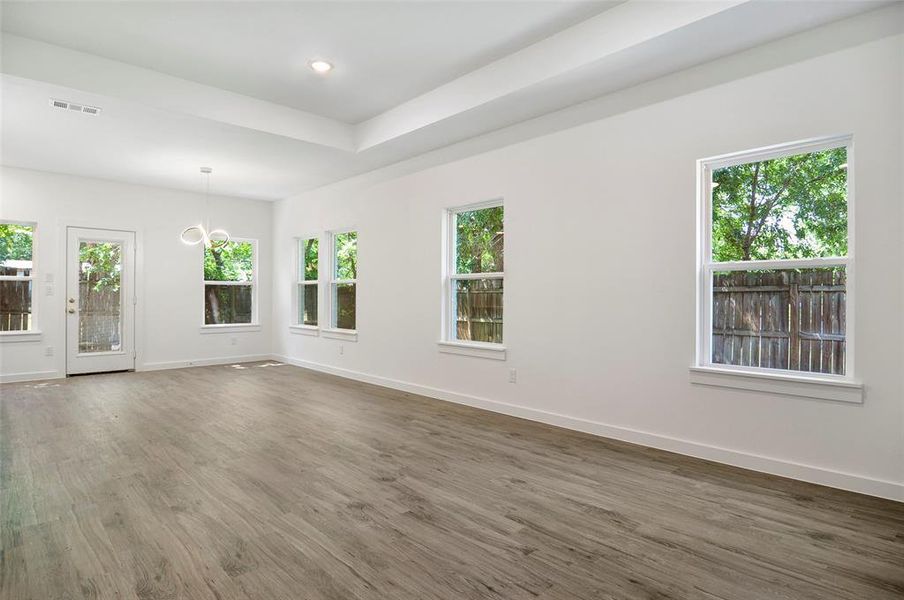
[227, 304]
[100, 319]
[15, 305]
[99, 314]
[780, 319]
[479, 311]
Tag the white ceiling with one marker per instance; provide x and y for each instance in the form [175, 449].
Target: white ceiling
[384, 52]
[422, 75]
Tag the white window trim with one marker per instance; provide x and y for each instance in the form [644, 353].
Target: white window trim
[475, 349]
[311, 330]
[34, 334]
[31, 335]
[330, 331]
[347, 335]
[231, 328]
[255, 324]
[297, 326]
[843, 388]
[448, 343]
[784, 383]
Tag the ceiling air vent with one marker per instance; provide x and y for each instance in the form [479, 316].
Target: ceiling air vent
[63, 104]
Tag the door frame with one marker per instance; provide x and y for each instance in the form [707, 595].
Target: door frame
[138, 331]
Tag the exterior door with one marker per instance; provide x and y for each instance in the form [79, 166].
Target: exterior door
[100, 300]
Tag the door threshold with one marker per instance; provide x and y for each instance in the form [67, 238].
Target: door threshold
[100, 373]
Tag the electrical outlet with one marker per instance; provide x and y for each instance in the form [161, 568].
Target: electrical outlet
[48, 290]
[513, 376]
[341, 349]
[48, 351]
[233, 341]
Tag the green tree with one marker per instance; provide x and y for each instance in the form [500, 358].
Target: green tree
[789, 207]
[101, 264]
[347, 255]
[15, 242]
[233, 261]
[311, 257]
[479, 240]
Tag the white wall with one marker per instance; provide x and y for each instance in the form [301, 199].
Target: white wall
[598, 211]
[169, 278]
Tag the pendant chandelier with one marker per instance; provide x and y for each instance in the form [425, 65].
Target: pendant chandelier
[196, 234]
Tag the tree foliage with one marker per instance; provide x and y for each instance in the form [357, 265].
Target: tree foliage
[101, 264]
[789, 207]
[479, 240]
[310, 249]
[15, 242]
[234, 261]
[347, 255]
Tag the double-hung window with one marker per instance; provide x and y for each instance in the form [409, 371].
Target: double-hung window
[343, 279]
[16, 277]
[776, 262]
[474, 274]
[230, 283]
[307, 284]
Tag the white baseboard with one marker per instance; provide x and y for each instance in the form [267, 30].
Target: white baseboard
[201, 362]
[30, 376]
[764, 464]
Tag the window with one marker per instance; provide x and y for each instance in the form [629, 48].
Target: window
[344, 279]
[229, 283]
[308, 255]
[776, 262]
[16, 277]
[475, 274]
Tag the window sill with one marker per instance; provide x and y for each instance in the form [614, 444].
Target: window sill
[837, 389]
[238, 328]
[32, 335]
[312, 330]
[347, 335]
[474, 349]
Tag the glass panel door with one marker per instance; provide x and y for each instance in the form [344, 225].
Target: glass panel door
[100, 300]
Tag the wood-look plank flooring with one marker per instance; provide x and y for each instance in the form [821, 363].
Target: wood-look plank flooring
[272, 482]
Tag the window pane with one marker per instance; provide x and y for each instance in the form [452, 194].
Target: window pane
[789, 207]
[780, 319]
[99, 298]
[307, 304]
[344, 303]
[478, 309]
[346, 246]
[309, 259]
[227, 304]
[15, 249]
[232, 262]
[479, 242]
[15, 305]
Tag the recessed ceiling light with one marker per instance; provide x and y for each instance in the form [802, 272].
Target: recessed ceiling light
[321, 66]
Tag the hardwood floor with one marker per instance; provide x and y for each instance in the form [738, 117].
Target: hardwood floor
[272, 482]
